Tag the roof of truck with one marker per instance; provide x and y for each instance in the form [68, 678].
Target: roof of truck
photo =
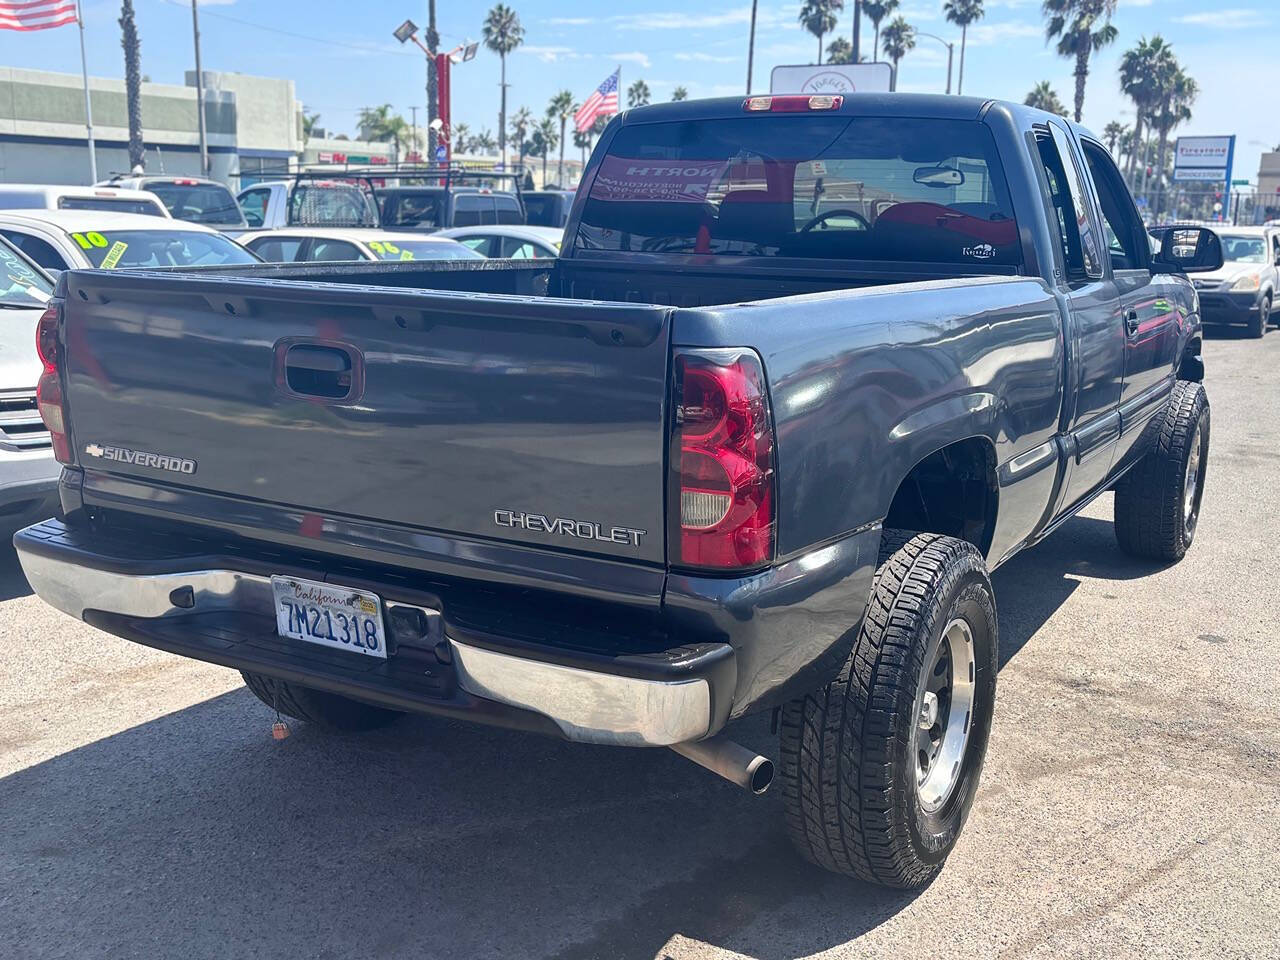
[71, 221]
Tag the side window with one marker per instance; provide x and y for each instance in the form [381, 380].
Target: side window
[330, 250]
[519, 249]
[1089, 246]
[254, 205]
[467, 210]
[482, 245]
[1275, 249]
[508, 210]
[276, 250]
[1060, 201]
[38, 250]
[1126, 238]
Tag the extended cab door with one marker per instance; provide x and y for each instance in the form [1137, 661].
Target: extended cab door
[1152, 323]
[1095, 332]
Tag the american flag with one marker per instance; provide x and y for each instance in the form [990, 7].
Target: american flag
[603, 102]
[36, 14]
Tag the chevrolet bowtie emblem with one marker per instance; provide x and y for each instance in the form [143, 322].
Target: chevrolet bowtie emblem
[93, 450]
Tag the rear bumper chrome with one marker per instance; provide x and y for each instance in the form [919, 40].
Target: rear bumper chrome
[584, 704]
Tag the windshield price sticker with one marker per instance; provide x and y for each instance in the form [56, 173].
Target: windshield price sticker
[89, 240]
[114, 254]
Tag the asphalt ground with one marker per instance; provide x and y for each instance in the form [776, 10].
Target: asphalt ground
[1130, 804]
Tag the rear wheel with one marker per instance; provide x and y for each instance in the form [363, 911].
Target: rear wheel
[881, 766]
[324, 709]
[1259, 322]
[1157, 504]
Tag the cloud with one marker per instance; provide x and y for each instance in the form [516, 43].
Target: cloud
[701, 57]
[989, 34]
[570, 21]
[635, 56]
[549, 54]
[1236, 18]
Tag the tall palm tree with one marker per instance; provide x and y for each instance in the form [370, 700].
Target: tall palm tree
[544, 135]
[483, 142]
[521, 124]
[372, 122]
[877, 10]
[680, 93]
[1175, 109]
[582, 140]
[962, 13]
[1113, 134]
[899, 39]
[638, 94]
[562, 108]
[309, 122]
[1082, 28]
[1044, 97]
[133, 83]
[1142, 71]
[460, 138]
[840, 50]
[819, 18]
[502, 34]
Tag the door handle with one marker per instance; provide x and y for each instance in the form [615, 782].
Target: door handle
[320, 371]
[1131, 323]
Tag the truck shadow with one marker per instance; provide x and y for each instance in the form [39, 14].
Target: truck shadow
[197, 834]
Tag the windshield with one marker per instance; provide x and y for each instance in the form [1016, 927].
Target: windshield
[1240, 248]
[326, 204]
[20, 283]
[112, 204]
[118, 249]
[420, 250]
[799, 185]
[207, 203]
[405, 209]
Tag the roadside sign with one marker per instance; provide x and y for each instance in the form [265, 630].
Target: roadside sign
[442, 153]
[1205, 160]
[831, 78]
[1239, 183]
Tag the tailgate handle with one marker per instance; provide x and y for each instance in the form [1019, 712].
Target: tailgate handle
[323, 371]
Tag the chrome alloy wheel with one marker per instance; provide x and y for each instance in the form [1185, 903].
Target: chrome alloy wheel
[1191, 487]
[943, 711]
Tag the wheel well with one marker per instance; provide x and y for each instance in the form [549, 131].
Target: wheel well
[953, 491]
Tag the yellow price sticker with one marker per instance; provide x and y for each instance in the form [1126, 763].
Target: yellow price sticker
[88, 241]
[406, 254]
[114, 254]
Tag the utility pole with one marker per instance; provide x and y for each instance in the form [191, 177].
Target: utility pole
[433, 97]
[88, 105]
[751, 50]
[204, 133]
[413, 113]
[857, 32]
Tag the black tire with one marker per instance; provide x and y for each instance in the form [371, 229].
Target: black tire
[328, 710]
[849, 778]
[1261, 321]
[1155, 519]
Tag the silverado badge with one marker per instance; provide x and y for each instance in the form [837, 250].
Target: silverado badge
[140, 458]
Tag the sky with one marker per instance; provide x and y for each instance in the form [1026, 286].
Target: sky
[342, 56]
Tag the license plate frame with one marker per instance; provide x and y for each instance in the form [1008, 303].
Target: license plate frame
[324, 614]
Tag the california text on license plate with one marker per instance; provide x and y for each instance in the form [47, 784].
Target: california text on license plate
[330, 615]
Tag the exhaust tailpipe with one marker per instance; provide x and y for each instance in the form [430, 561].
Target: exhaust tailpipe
[730, 760]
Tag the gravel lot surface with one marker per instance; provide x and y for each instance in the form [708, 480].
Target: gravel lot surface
[1130, 805]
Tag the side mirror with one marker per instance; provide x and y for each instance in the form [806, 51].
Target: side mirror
[1188, 250]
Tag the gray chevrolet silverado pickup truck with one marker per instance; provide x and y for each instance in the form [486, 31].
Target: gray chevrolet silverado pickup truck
[808, 369]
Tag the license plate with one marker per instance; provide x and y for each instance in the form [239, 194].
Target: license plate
[329, 615]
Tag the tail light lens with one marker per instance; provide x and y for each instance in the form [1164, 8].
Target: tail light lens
[721, 510]
[49, 399]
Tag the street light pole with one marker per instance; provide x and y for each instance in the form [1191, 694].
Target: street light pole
[204, 133]
[433, 79]
[951, 50]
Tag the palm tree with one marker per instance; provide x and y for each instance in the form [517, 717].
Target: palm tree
[1112, 134]
[819, 18]
[1082, 28]
[133, 84]
[877, 10]
[520, 125]
[461, 138]
[679, 93]
[1142, 71]
[962, 13]
[840, 50]
[638, 94]
[1044, 97]
[483, 142]
[502, 34]
[309, 121]
[562, 108]
[899, 39]
[1175, 109]
[582, 140]
[544, 137]
[372, 122]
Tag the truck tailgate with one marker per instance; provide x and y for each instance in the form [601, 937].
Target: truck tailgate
[528, 420]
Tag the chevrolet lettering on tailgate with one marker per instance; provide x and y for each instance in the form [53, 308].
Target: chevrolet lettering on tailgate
[581, 529]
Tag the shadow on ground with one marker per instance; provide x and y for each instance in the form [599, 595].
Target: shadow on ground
[195, 834]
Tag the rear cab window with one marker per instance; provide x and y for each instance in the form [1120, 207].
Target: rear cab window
[831, 187]
[411, 208]
[207, 203]
[111, 204]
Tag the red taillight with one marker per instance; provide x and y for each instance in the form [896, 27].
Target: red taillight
[721, 506]
[793, 103]
[49, 399]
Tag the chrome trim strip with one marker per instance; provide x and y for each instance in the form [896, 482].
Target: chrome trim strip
[587, 705]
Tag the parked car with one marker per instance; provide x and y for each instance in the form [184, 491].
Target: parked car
[548, 208]
[309, 201]
[34, 196]
[64, 239]
[311, 245]
[28, 471]
[196, 199]
[725, 455]
[434, 208]
[516, 242]
[1244, 290]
